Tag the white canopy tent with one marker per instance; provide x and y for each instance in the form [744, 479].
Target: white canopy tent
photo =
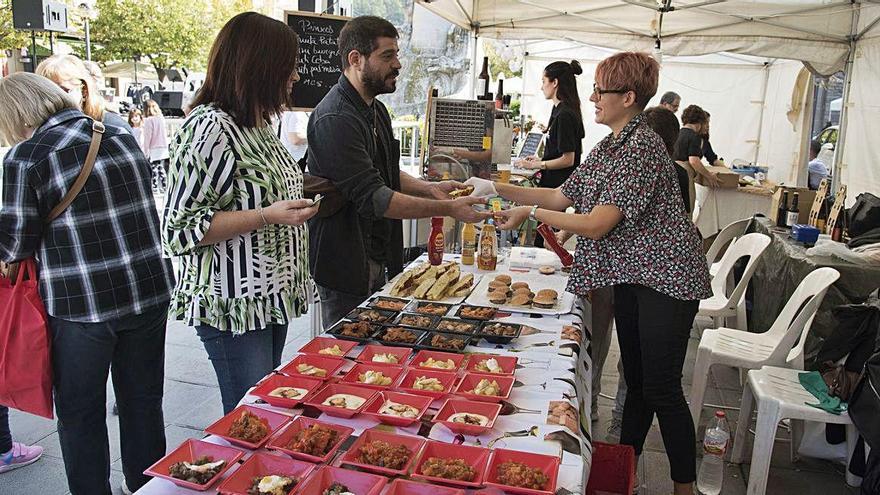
[826, 35]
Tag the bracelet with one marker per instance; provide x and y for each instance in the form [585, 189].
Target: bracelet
[533, 212]
[265, 223]
[543, 165]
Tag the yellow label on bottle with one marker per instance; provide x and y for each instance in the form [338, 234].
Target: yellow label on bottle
[487, 142]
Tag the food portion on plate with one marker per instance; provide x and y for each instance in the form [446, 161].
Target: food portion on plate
[370, 315]
[385, 358]
[200, 471]
[337, 489]
[419, 321]
[434, 309]
[356, 329]
[310, 370]
[373, 377]
[545, 299]
[476, 312]
[315, 440]
[503, 291]
[469, 419]
[399, 335]
[384, 454]
[520, 475]
[446, 342]
[426, 281]
[389, 303]
[438, 364]
[487, 388]
[450, 469]
[332, 351]
[344, 401]
[249, 428]
[289, 392]
[429, 384]
[272, 484]
[456, 326]
[500, 329]
[489, 366]
[392, 408]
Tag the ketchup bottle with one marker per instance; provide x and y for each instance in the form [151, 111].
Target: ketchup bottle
[550, 238]
[436, 241]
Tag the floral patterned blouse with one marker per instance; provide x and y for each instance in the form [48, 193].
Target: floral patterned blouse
[252, 280]
[655, 245]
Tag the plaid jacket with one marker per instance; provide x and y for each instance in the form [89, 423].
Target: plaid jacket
[102, 258]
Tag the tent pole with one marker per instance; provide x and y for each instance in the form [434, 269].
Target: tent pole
[844, 108]
[473, 77]
[761, 114]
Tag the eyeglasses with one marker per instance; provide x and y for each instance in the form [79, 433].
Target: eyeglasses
[600, 92]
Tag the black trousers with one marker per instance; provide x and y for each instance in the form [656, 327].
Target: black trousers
[653, 331]
[5, 434]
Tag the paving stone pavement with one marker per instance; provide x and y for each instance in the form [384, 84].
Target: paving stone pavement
[192, 402]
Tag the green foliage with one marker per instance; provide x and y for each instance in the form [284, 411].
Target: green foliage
[10, 38]
[392, 10]
[497, 65]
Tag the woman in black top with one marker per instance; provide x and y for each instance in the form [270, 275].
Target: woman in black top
[562, 150]
[689, 149]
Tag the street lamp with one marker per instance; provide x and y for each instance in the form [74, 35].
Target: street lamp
[87, 10]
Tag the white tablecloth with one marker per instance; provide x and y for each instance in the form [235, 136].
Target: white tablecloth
[555, 371]
[717, 208]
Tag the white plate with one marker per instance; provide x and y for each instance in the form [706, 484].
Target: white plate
[386, 291]
[480, 296]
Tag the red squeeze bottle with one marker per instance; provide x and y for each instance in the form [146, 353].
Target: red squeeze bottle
[550, 239]
[436, 241]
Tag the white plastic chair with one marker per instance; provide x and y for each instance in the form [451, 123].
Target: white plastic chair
[775, 347]
[721, 305]
[779, 396]
[728, 234]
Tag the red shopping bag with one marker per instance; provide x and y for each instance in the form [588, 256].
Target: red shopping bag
[25, 365]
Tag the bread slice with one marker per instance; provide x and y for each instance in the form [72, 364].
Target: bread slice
[420, 269]
[464, 283]
[430, 274]
[403, 283]
[439, 289]
[423, 288]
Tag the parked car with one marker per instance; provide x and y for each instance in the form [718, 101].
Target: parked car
[828, 135]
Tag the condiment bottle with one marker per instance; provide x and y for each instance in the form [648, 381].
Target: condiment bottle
[488, 256]
[468, 244]
[436, 241]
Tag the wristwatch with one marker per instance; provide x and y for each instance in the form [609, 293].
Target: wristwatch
[533, 212]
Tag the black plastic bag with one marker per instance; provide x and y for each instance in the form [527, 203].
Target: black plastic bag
[854, 334]
[864, 406]
[864, 214]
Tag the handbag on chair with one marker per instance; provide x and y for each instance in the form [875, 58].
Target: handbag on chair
[25, 343]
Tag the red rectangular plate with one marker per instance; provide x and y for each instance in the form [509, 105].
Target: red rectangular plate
[275, 380]
[423, 356]
[446, 379]
[414, 444]
[359, 483]
[392, 372]
[407, 487]
[259, 465]
[337, 388]
[420, 402]
[282, 439]
[328, 364]
[507, 363]
[471, 380]
[189, 451]
[366, 356]
[476, 457]
[318, 343]
[548, 464]
[456, 406]
[273, 419]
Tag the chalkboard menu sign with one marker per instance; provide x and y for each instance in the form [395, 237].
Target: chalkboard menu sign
[319, 62]
[530, 145]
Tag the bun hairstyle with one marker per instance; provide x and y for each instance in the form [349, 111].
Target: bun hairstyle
[566, 90]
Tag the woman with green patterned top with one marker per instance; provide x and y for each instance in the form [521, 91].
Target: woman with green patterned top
[235, 209]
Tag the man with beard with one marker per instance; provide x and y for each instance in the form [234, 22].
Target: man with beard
[354, 248]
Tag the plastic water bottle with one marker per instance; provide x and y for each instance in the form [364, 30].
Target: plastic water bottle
[715, 444]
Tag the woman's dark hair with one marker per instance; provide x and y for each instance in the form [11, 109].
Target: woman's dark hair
[665, 124]
[360, 34]
[694, 115]
[567, 90]
[249, 68]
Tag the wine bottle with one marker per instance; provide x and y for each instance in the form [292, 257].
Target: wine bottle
[782, 211]
[793, 212]
[482, 88]
[499, 96]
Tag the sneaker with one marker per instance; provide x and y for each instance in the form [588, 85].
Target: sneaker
[614, 429]
[20, 455]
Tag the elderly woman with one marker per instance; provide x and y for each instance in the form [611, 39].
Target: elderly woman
[634, 236]
[103, 280]
[235, 209]
[74, 77]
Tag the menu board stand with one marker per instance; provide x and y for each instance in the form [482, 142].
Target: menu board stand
[319, 63]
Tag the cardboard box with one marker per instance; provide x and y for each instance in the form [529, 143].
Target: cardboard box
[729, 179]
[805, 202]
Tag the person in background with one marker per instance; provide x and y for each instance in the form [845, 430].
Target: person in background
[633, 235]
[293, 133]
[816, 168]
[235, 212]
[14, 455]
[103, 280]
[136, 122]
[670, 101]
[565, 130]
[72, 75]
[708, 153]
[353, 250]
[155, 144]
[689, 150]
